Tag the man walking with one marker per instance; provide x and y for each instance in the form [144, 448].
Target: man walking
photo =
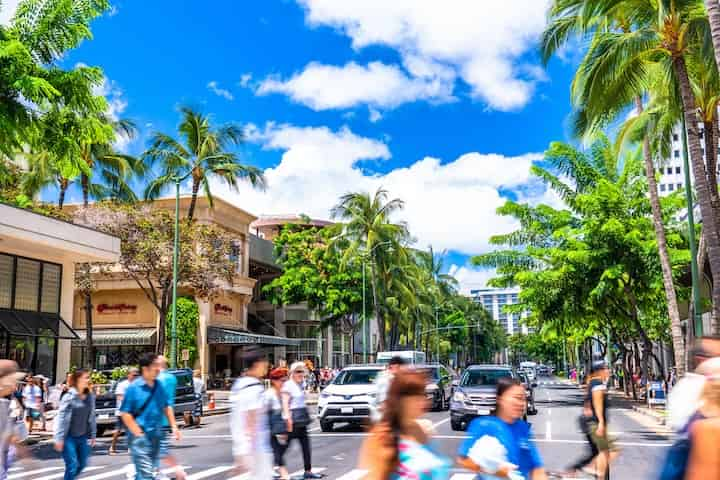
[120, 390]
[382, 385]
[144, 407]
[249, 423]
[168, 383]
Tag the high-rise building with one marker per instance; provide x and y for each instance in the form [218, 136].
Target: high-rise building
[494, 300]
[672, 175]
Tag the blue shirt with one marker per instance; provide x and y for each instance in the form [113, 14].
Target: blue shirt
[151, 419]
[168, 382]
[515, 437]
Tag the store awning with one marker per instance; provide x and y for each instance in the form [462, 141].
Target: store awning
[35, 324]
[118, 336]
[230, 336]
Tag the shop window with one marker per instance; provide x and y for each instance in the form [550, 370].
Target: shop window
[50, 293]
[6, 280]
[21, 351]
[27, 284]
[45, 354]
[296, 315]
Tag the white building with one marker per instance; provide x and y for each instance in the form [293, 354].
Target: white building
[494, 301]
[671, 170]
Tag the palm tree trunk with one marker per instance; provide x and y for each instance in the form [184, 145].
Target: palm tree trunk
[702, 189]
[376, 308]
[63, 189]
[666, 267]
[85, 183]
[90, 348]
[193, 198]
[713, 10]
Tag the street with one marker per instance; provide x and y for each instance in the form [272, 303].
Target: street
[206, 450]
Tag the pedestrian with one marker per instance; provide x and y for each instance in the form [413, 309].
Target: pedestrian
[31, 396]
[249, 421]
[399, 447]
[120, 390]
[144, 406]
[168, 383]
[382, 386]
[75, 424]
[297, 416]
[704, 455]
[199, 389]
[278, 425]
[9, 376]
[502, 445]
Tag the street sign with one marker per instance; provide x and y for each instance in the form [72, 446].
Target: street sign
[185, 354]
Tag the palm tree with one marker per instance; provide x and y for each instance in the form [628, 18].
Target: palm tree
[373, 236]
[201, 152]
[713, 11]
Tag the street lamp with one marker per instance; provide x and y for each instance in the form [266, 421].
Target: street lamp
[366, 330]
[176, 241]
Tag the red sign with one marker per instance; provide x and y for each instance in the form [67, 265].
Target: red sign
[116, 308]
[221, 309]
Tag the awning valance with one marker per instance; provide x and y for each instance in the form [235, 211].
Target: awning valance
[35, 324]
[230, 336]
[108, 337]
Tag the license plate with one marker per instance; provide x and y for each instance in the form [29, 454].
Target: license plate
[345, 410]
[103, 416]
[483, 411]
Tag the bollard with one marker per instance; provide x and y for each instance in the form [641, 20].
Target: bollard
[211, 401]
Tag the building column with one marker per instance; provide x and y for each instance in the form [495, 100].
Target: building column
[67, 304]
[203, 347]
[280, 352]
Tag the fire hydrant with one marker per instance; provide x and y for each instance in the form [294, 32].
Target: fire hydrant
[211, 401]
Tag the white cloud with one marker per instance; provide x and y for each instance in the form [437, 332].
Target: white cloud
[117, 104]
[450, 206]
[374, 115]
[220, 92]
[245, 80]
[7, 10]
[484, 42]
[470, 278]
[326, 87]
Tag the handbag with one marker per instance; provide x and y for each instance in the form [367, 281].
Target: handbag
[300, 417]
[278, 425]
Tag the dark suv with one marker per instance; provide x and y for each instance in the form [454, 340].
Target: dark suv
[475, 394]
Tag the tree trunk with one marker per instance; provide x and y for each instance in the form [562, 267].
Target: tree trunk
[665, 265]
[63, 189]
[89, 347]
[376, 308]
[193, 198]
[702, 189]
[85, 183]
[713, 11]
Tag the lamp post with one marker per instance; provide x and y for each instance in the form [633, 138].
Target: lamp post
[366, 329]
[176, 241]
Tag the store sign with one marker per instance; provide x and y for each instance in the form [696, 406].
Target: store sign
[116, 308]
[224, 310]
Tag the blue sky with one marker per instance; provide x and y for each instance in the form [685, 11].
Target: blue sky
[446, 108]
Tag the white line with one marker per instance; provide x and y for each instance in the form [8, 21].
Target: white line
[33, 472]
[209, 472]
[61, 475]
[300, 472]
[356, 474]
[243, 476]
[435, 425]
[124, 470]
[14, 469]
[548, 430]
[463, 476]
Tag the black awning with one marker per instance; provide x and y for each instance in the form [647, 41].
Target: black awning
[35, 324]
[231, 336]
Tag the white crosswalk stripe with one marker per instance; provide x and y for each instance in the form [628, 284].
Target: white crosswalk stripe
[210, 472]
[244, 476]
[33, 472]
[356, 474]
[300, 472]
[62, 474]
[463, 476]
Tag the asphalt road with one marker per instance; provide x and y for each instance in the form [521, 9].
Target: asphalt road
[206, 451]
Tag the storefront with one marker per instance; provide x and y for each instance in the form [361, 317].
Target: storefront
[37, 265]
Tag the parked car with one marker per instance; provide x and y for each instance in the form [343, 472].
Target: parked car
[106, 404]
[475, 394]
[530, 386]
[349, 398]
[440, 387]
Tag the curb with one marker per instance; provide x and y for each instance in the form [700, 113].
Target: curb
[656, 415]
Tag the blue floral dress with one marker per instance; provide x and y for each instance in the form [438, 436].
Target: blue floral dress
[419, 461]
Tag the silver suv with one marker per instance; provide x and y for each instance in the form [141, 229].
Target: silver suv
[475, 394]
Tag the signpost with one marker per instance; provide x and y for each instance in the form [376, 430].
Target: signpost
[185, 355]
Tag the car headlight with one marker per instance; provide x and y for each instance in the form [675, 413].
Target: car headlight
[458, 397]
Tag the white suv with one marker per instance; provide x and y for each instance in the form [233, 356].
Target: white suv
[350, 396]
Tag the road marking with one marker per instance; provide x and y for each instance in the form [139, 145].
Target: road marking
[61, 475]
[300, 472]
[437, 424]
[243, 476]
[548, 430]
[33, 472]
[209, 472]
[356, 474]
[130, 468]
[463, 476]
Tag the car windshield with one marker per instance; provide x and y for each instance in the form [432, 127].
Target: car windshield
[472, 378]
[356, 377]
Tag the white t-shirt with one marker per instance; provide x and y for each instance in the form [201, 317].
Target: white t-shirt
[296, 392]
[120, 390]
[248, 395]
[31, 396]
[272, 400]
[684, 400]
[198, 385]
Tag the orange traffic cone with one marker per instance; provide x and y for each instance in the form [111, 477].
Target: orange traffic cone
[211, 401]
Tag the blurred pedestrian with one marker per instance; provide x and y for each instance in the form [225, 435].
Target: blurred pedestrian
[249, 422]
[398, 446]
[168, 382]
[382, 386]
[144, 406]
[120, 390]
[502, 445]
[75, 424]
[199, 389]
[278, 425]
[296, 414]
[704, 455]
[32, 397]
[9, 376]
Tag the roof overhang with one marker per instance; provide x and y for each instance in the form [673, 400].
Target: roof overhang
[118, 336]
[229, 336]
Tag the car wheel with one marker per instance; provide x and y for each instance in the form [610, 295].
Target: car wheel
[326, 426]
[456, 425]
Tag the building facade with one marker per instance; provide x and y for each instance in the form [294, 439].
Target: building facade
[671, 170]
[494, 300]
[37, 280]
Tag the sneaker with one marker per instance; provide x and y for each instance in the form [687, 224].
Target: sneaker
[312, 475]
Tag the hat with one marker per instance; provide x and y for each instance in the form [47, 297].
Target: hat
[9, 367]
[297, 366]
[278, 373]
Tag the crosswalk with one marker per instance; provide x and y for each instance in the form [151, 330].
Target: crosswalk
[219, 472]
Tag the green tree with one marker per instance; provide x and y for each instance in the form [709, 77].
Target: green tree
[188, 322]
[202, 151]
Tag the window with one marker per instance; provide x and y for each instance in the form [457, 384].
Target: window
[296, 315]
[677, 169]
[676, 154]
[27, 284]
[6, 281]
[50, 293]
[236, 256]
[679, 186]
[669, 170]
[675, 137]
[671, 187]
[662, 187]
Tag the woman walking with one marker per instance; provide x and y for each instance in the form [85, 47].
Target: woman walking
[502, 445]
[399, 447]
[704, 429]
[278, 426]
[296, 414]
[31, 397]
[75, 425]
